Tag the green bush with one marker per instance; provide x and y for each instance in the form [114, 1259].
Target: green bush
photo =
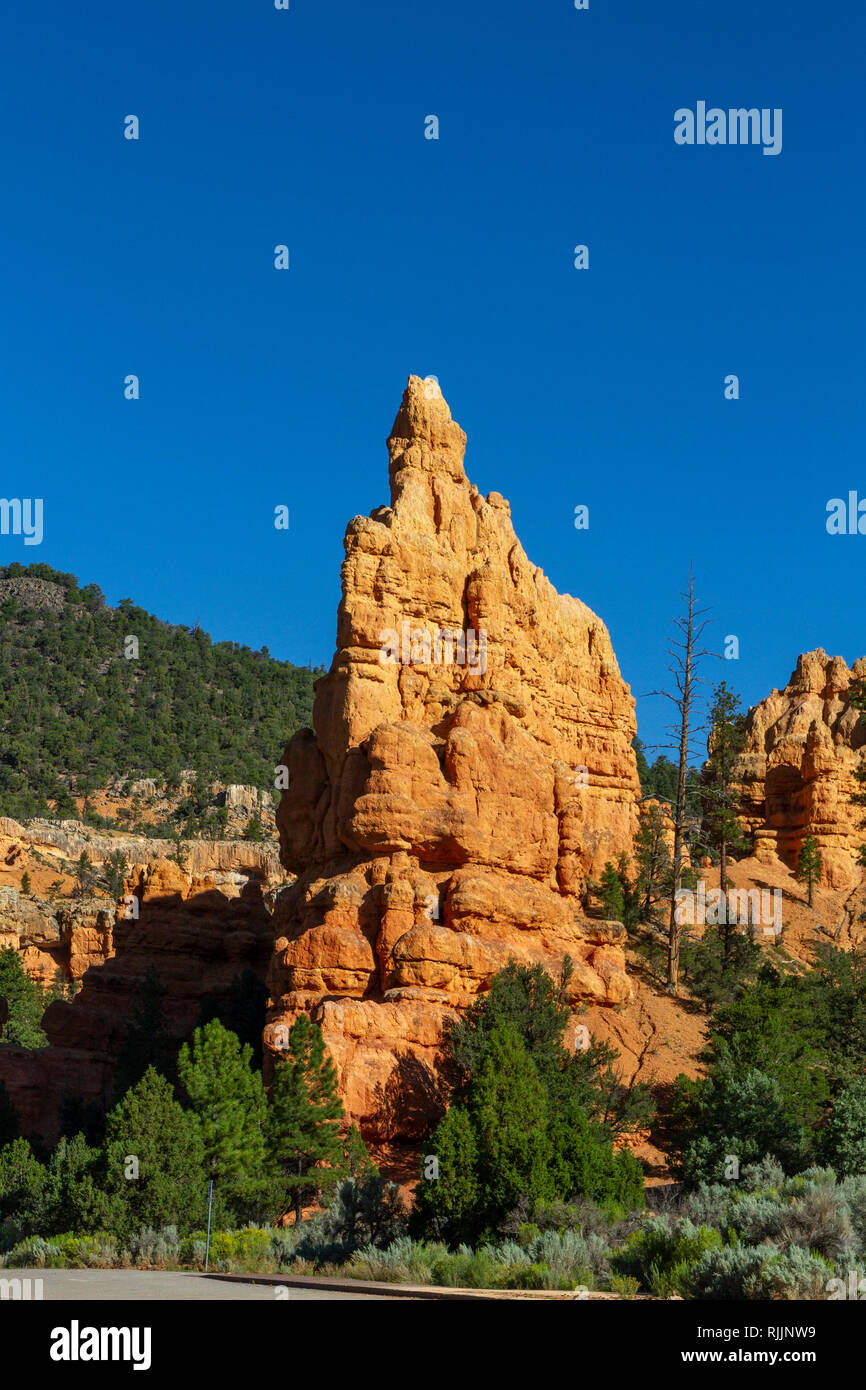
[662, 1255]
[731, 1272]
[793, 1274]
[844, 1139]
[405, 1261]
[34, 1253]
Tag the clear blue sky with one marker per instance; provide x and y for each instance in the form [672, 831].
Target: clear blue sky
[451, 257]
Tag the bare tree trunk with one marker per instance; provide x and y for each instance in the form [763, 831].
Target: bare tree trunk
[680, 808]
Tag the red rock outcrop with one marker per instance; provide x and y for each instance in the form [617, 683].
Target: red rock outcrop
[471, 767]
[60, 935]
[797, 770]
[199, 940]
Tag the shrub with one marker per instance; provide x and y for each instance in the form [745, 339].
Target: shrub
[844, 1139]
[155, 1249]
[96, 1251]
[820, 1221]
[34, 1253]
[767, 1173]
[365, 1211]
[757, 1218]
[571, 1258]
[467, 1269]
[795, 1273]
[624, 1284]
[405, 1261]
[731, 1272]
[662, 1255]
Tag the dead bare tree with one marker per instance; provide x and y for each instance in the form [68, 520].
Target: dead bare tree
[684, 653]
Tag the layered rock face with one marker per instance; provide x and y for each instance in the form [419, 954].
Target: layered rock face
[471, 766]
[53, 934]
[198, 936]
[797, 771]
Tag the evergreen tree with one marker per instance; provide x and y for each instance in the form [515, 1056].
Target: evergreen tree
[611, 894]
[653, 862]
[857, 697]
[22, 1184]
[685, 656]
[809, 865]
[507, 1105]
[84, 872]
[25, 1000]
[150, 1127]
[74, 1198]
[228, 1101]
[584, 1164]
[357, 1162]
[303, 1118]
[25, 883]
[721, 826]
[115, 872]
[844, 1139]
[447, 1200]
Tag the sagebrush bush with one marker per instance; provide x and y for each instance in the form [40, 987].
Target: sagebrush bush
[571, 1258]
[732, 1272]
[819, 1220]
[756, 1218]
[794, 1273]
[153, 1249]
[34, 1253]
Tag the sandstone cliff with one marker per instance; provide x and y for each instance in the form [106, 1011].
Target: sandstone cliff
[199, 938]
[471, 767]
[797, 770]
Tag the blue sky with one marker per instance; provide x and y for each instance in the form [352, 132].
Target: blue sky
[451, 257]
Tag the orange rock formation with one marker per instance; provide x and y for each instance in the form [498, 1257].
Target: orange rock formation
[471, 767]
[804, 744]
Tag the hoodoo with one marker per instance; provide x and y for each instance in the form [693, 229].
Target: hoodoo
[804, 744]
[445, 815]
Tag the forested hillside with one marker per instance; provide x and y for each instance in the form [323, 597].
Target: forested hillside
[80, 703]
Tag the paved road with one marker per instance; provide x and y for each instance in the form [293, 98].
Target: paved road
[111, 1285]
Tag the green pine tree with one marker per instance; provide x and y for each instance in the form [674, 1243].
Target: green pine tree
[303, 1120]
[357, 1162]
[721, 830]
[508, 1108]
[229, 1103]
[25, 1000]
[653, 863]
[154, 1158]
[22, 1187]
[447, 1195]
[809, 865]
[611, 894]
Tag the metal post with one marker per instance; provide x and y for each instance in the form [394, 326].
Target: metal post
[209, 1209]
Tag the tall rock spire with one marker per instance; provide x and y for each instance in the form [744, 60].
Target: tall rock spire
[471, 765]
